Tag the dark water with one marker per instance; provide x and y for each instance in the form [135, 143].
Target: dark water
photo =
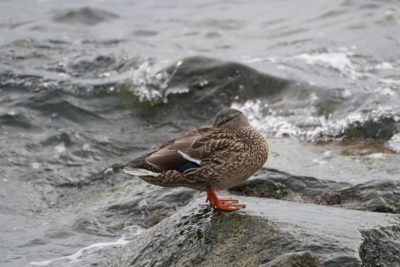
[85, 85]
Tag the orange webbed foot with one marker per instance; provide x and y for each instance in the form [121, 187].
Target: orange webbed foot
[229, 206]
[225, 204]
[228, 200]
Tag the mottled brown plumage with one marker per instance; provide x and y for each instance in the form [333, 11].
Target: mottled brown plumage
[220, 156]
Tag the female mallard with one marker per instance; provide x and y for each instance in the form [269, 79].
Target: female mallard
[212, 158]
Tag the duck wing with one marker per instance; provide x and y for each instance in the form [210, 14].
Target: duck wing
[191, 148]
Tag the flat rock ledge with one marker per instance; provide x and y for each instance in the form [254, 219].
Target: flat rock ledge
[268, 233]
[374, 195]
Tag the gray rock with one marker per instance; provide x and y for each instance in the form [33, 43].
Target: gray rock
[272, 183]
[86, 16]
[379, 196]
[381, 246]
[266, 229]
[295, 259]
[210, 83]
[146, 210]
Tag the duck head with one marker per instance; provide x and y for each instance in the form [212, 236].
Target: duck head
[231, 119]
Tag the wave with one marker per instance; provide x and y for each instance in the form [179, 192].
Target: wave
[13, 119]
[194, 88]
[85, 16]
[377, 124]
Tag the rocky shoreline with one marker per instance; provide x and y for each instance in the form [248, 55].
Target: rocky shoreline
[268, 232]
[374, 195]
[289, 221]
[86, 88]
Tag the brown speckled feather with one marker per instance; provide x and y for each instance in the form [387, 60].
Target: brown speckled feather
[227, 157]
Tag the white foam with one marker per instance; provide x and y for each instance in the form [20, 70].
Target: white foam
[376, 155]
[394, 143]
[305, 125]
[60, 148]
[319, 161]
[344, 60]
[346, 93]
[330, 128]
[346, 63]
[36, 165]
[327, 153]
[336, 60]
[142, 77]
[151, 85]
[389, 81]
[277, 126]
[384, 66]
[90, 249]
[385, 91]
[76, 256]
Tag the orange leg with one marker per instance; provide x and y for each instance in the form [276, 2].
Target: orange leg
[227, 204]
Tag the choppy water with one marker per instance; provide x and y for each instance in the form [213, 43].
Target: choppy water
[85, 85]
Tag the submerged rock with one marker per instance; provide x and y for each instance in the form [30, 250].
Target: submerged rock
[86, 16]
[262, 234]
[146, 210]
[210, 78]
[205, 83]
[133, 201]
[379, 196]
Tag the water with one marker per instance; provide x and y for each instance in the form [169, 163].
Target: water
[85, 85]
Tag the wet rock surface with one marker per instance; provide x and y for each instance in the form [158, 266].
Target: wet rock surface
[381, 246]
[267, 233]
[379, 196]
[125, 200]
[146, 210]
[295, 259]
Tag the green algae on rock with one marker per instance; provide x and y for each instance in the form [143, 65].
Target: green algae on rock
[204, 238]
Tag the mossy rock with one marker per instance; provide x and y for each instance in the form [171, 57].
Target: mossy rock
[205, 238]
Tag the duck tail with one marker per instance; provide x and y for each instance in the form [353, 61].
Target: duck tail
[140, 167]
[139, 172]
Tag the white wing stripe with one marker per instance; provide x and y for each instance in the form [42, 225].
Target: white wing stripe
[139, 172]
[189, 158]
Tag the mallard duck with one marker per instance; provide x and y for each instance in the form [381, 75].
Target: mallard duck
[210, 158]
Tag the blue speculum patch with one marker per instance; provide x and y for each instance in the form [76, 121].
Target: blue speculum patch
[187, 166]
